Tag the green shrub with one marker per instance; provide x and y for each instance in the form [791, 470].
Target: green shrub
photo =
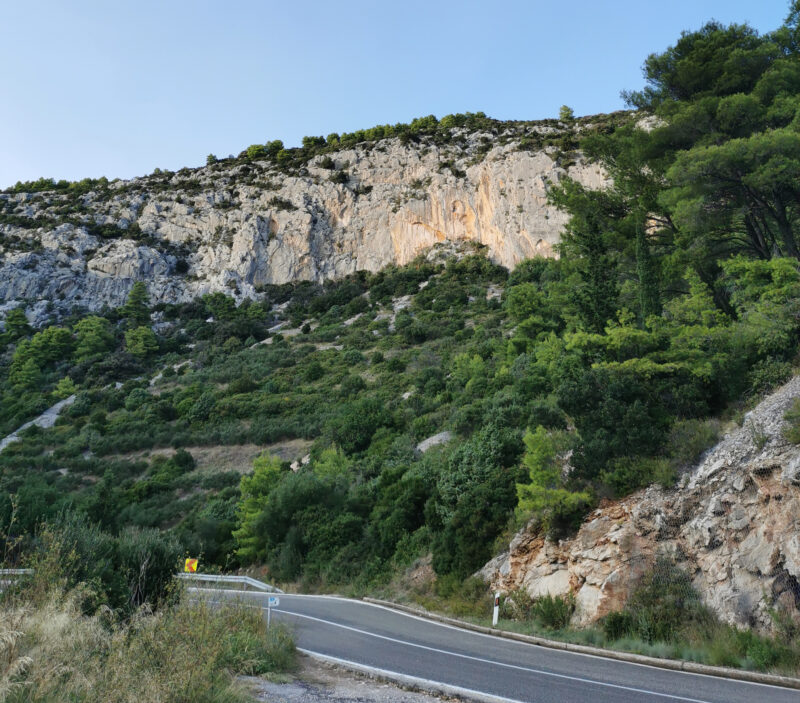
[553, 612]
[662, 607]
[627, 474]
[125, 572]
[461, 597]
[767, 374]
[791, 430]
[618, 624]
[688, 439]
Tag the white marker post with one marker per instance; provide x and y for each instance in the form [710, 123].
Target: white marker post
[272, 602]
[496, 613]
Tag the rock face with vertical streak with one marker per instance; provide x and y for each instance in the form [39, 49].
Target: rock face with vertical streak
[733, 523]
[237, 225]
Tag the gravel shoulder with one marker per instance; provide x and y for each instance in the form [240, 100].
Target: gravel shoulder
[317, 682]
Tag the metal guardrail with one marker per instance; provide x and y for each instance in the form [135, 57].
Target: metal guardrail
[242, 580]
[10, 576]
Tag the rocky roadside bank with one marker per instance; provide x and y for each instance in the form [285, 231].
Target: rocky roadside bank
[732, 522]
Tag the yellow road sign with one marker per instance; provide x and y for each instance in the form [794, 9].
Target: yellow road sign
[190, 566]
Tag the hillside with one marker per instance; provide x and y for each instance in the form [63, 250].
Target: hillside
[358, 366]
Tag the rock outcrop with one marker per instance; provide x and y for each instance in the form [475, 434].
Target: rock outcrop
[236, 226]
[733, 523]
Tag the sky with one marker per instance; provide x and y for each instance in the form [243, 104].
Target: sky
[116, 89]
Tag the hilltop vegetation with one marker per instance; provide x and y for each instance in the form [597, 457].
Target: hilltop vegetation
[565, 133]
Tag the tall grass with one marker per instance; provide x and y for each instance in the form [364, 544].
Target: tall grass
[61, 639]
[51, 651]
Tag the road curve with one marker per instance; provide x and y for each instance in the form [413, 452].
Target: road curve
[396, 643]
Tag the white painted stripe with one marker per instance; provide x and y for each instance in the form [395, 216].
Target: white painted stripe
[411, 680]
[492, 662]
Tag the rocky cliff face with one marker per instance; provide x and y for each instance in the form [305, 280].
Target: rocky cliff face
[733, 523]
[236, 225]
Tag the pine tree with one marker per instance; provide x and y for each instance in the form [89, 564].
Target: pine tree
[136, 310]
[94, 337]
[17, 324]
[255, 490]
[140, 341]
[27, 376]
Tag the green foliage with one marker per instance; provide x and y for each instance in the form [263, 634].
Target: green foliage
[64, 388]
[626, 474]
[141, 342]
[49, 184]
[136, 309]
[281, 204]
[459, 597]
[93, 338]
[16, 324]
[124, 572]
[25, 375]
[354, 424]
[474, 500]
[553, 612]
[256, 151]
[715, 60]
[255, 490]
[331, 463]
[557, 508]
[660, 607]
[791, 430]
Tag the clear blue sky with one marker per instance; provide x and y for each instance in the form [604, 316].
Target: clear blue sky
[117, 88]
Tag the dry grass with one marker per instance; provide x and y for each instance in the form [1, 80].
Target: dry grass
[50, 651]
[234, 457]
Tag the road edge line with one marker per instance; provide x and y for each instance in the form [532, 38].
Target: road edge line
[672, 664]
[414, 683]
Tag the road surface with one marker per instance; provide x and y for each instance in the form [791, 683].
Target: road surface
[390, 641]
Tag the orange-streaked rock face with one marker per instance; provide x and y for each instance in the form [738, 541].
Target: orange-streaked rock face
[241, 226]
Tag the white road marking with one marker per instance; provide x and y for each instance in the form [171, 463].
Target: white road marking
[490, 661]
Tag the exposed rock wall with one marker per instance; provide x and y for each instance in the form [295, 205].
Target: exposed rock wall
[234, 227]
[733, 523]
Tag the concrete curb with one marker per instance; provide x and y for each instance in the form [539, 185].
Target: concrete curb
[673, 664]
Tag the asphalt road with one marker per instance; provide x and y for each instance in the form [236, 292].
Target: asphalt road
[381, 638]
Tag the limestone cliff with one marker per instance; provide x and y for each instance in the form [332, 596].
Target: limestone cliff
[733, 523]
[239, 224]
